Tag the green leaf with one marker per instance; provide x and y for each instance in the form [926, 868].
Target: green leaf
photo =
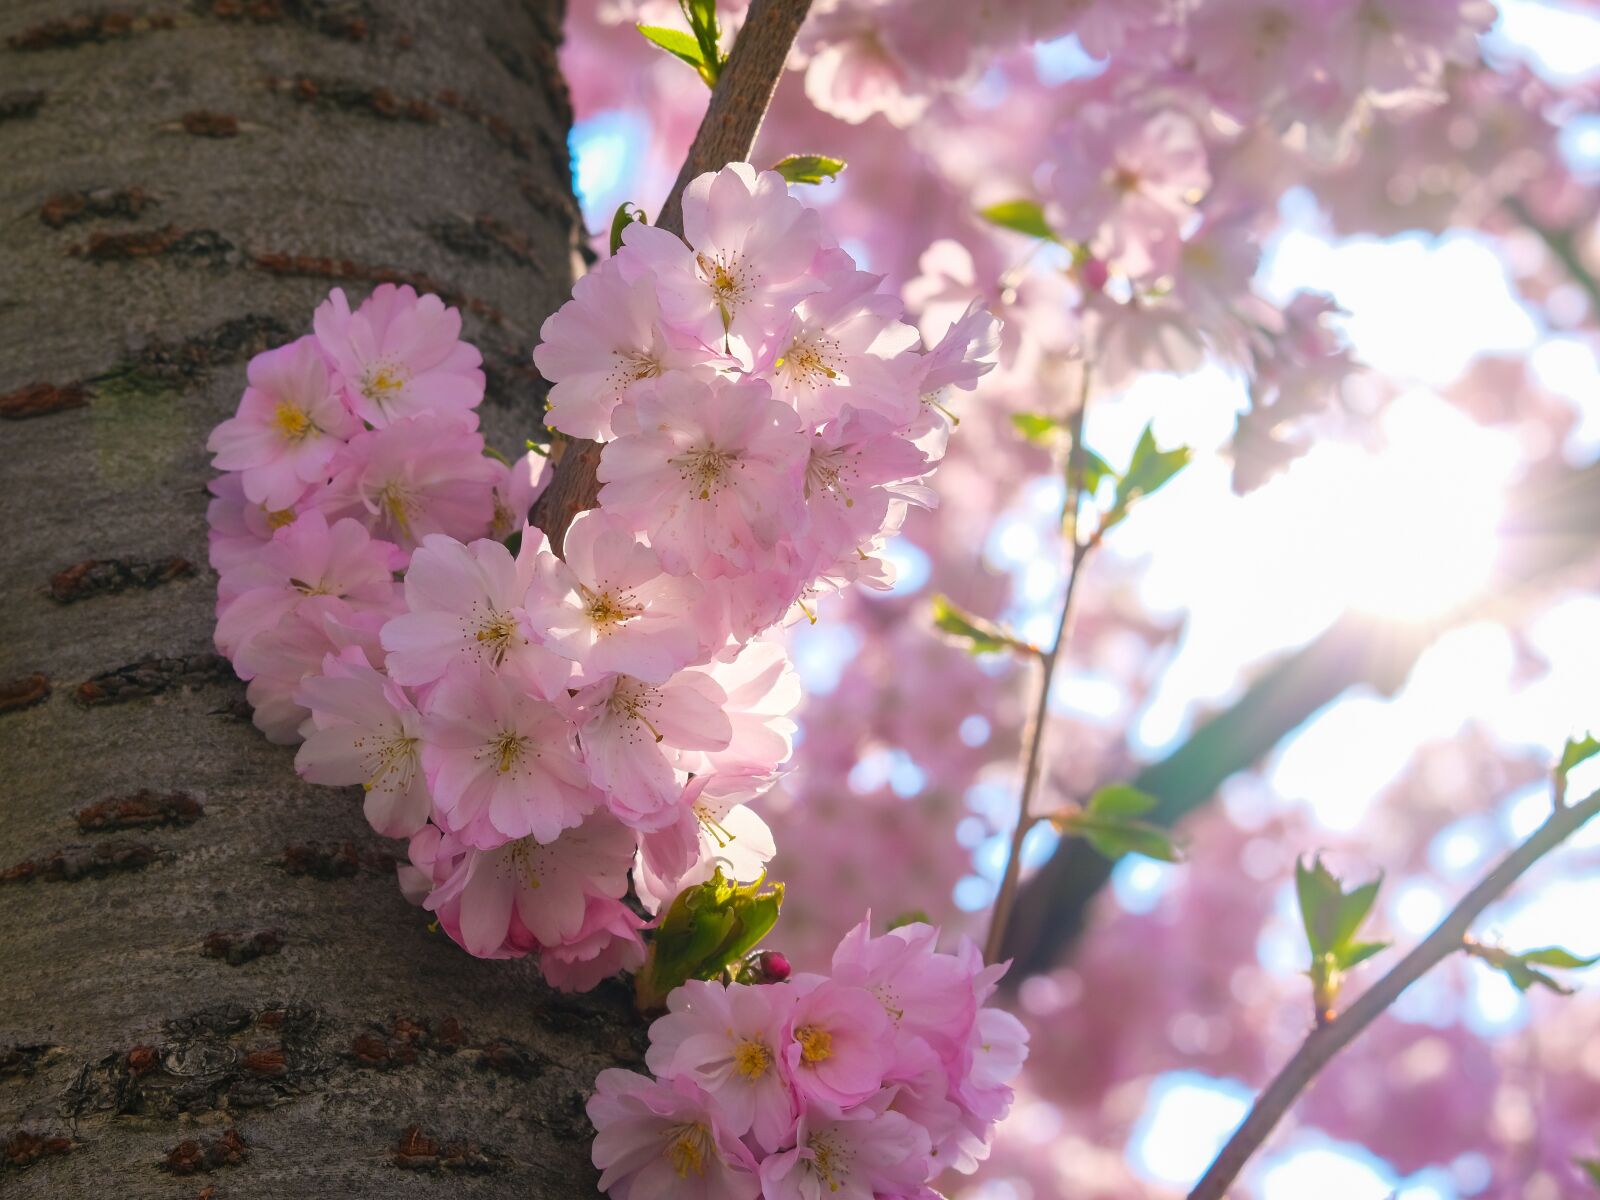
[1522, 969]
[702, 18]
[809, 168]
[1019, 216]
[1319, 895]
[1555, 956]
[1359, 952]
[1036, 427]
[705, 930]
[1590, 1167]
[1120, 800]
[1577, 750]
[1150, 469]
[627, 213]
[1353, 910]
[982, 637]
[1114, 836]
[1095, 469]
[676, 43]
[1048, 431]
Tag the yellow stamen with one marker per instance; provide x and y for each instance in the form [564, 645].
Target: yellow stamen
[294, 423]
[752, 1059]
[497, 635]
[816, 1045]
[508, 747]
[382, 382]
[690, 1150]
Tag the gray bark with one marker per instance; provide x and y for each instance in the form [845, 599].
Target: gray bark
[212, 981]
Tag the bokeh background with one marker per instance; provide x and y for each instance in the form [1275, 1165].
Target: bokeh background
[1344, 595]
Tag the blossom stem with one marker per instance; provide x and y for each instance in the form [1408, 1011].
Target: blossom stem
[1324, 1042]
[1033, 747]
[727, 133]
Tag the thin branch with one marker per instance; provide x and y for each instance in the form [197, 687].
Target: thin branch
[1320, 1046]
[1033, 752]
[727, 133]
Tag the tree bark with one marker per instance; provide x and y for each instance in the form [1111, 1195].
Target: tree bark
[208, 978]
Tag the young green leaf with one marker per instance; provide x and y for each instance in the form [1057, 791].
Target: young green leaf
[981, 637]
[1590, 1167]
[1019, 216]
[809, 168]
[1121, 800]
[676, 43]
[1113, 837]
[1332, 917]
[1037, 428]
[706, 929]
[627, 213]
[1577, 750]
[1150, 469]
[1522, 969]
[702, 18]
[1049, 432]
[1111, 823]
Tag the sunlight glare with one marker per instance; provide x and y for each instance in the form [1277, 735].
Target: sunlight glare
[1417, 530]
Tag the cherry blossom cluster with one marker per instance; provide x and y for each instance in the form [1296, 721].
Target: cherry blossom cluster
[867, 1082]
[543, 727]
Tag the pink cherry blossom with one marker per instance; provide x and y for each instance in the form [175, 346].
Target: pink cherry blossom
[307, 559]
[610, 607]
[751, 246]
[728, 1039]
[664, 1141]
[633, 733]
[854, 1155]
[713, 828]
[839, 1042]
[400, 355]
[517, 486]
[925, 994]
[598, 345]
[707, 469]
[835, 351]
[236, 527]
[364, 729]
[1127, 183]
[525, 895]
[465, 604]
[290, 424]
[762, 692]
[854, 475]
[414, 476]
[276, 660]
[606, 943]
[502, 763]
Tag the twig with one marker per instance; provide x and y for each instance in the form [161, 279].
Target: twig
[726, 134]
[1033, 751]
[1321, 1045]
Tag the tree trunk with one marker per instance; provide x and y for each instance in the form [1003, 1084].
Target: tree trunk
[208, 978]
